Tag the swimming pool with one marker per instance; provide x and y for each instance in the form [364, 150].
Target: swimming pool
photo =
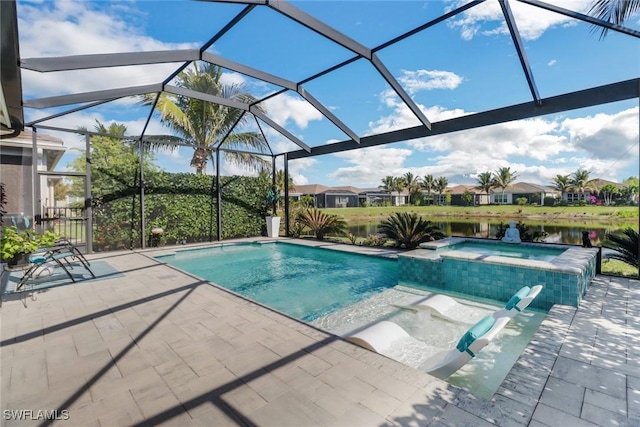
[303, 282]
[508, 250]
[339, 292]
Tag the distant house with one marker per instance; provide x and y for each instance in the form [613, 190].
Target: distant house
[598, 183]
[339, 197]
[327, 197]
[311, 190]
[377, 197]
[534, 193]
[457, 195]
[347, 196]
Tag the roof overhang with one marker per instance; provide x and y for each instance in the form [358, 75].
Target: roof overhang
[11, 114]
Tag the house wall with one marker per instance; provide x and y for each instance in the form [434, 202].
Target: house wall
[341, 201]
[15, 173]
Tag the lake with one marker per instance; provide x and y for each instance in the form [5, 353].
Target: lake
[488, 228]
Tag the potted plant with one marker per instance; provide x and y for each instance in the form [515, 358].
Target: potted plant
[16, 245]
[273, 221]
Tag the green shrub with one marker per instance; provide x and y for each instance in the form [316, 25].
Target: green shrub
[408, 230]
[321, 223]
[521, 201]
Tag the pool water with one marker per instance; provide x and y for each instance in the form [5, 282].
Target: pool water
[482, 376]
[507, 249]
[303, 282]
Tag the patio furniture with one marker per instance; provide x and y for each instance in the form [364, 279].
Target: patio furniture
[60, 255]
[447, 308]
[383, 335]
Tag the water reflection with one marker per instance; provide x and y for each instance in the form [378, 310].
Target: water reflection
[487, 229]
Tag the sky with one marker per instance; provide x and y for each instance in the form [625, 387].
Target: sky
[464, 65]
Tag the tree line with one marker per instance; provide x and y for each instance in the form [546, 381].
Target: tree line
[421, 189]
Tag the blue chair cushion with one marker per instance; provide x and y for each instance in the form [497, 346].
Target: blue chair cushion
[37, 259]
[517, 297]
[476, 331]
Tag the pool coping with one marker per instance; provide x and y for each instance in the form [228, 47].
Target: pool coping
[567, 375]
[572, 261]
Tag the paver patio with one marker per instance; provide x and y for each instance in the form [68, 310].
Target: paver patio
[158, 346]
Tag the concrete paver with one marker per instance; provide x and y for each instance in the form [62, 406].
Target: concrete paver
[159, 346]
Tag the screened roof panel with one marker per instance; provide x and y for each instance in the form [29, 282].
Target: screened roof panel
[283, 50]
[466, 76]
[373, 26]
[433, 74]
[42, 85]
[357, 94]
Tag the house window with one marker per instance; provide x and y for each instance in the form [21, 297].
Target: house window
[499, 198]
[575, 197]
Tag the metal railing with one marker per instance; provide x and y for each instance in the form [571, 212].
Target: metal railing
[67, 222]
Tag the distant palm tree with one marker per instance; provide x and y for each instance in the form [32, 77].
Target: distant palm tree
[626, 246]
[562, 184]
[440, 186]
[503, 178]
[204, 124]
[613, 11]
[412, 183]
[428, 184]
[408, 230]
[580, 182]
[392, 184]
[485, 183]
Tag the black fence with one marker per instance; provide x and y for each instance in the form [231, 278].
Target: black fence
[67, 222]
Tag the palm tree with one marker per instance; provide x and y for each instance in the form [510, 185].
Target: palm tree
[408, 230]
[562, 184]
[626, 246]
[440, 186]
[203, 124]
[428, 184]
[502, 178]
[613, 11]
[580, 182]
[485, 183]
[412, 184]
[392, 184]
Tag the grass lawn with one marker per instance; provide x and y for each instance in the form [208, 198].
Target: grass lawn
[612, 266]
[598, 213]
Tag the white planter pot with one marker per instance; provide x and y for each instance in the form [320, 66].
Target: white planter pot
[273, 226]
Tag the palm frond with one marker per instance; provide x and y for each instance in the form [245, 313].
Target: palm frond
[613, 11]
[408, 230]
[625, 245]
[321, 223]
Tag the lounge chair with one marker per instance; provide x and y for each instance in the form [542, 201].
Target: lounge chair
[381, 336]
[61, 255]
[449, 309]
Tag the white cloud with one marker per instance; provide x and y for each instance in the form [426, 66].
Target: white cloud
[488, 19]
[552, 63]
[298, 167]
[370, 165]
[418, 80]
[605, 136]
[402, 117]
[64, 28]
[233, 79]
[538, 139]
[284, 108]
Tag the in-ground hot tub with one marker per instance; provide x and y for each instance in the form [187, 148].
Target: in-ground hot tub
[496, 270]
